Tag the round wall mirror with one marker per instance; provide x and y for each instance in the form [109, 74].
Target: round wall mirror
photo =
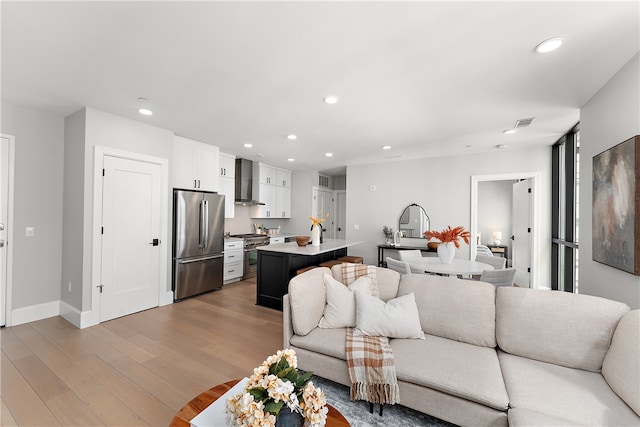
[414, 221]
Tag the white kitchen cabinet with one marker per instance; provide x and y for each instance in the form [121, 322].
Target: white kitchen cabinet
[227, 167]
[271, 186]
[283, 178]
[267, 195]
[227, 183]
[233, 261]
[195, 165]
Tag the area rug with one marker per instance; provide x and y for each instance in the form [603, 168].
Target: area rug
[358, 415]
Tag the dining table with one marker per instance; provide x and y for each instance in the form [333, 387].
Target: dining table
[458, 267]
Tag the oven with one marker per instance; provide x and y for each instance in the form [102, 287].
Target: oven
[251, 243]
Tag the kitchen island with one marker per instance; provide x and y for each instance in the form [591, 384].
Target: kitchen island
[277, 264]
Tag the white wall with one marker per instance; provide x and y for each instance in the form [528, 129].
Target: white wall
[39, 148]
[495, 207]
[443, 187]
[108, 130]
[610, 117]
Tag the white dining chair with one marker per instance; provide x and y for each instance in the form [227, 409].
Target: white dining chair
[484, 250]
[399, 266]
[504, 277]
[409, 254]
[497, 262]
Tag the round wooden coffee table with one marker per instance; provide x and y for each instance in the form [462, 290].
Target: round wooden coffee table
[198, 404]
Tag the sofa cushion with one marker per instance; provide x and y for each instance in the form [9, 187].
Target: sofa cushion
[461, 310]
[307, 297]
[522, 417]
[621, 366]
[387, 281]
[330, 342]
[556, 327]
[340, 310]
[396, 318]
[580, 396]
[459, 369]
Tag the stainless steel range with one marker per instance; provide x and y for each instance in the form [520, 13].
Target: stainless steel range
[251, 242]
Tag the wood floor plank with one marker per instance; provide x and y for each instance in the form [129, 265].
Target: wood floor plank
[26, 407]
[135, 370]
[6, 419]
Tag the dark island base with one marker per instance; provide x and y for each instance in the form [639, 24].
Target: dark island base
[275, 269]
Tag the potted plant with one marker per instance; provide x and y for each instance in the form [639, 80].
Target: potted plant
[388, 234]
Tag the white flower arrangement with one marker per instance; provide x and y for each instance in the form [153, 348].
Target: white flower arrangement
[273, 385]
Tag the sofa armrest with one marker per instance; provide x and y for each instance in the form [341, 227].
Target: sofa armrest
[287, 326]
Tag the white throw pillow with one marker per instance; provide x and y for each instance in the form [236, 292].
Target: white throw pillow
[397, 318]
[340, 310]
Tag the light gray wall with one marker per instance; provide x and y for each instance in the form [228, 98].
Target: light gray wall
[443, 187]
[495, 207]
[73, 209]
[610, 117]
[108, 130]
[39, 149]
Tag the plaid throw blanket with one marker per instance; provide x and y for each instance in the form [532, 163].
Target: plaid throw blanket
[351, 272]
[371, 369]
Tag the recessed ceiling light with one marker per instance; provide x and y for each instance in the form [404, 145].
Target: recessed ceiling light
[549, 45]
[328, 154]
[468, 146]
[331, 99]
[145, 111]
[292, 136]
[247, 145]
[291, 160]
[501, 146]
[509, 131]
[386, 147]
[141, 99]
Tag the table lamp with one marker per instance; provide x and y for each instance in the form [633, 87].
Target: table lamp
[497, 237]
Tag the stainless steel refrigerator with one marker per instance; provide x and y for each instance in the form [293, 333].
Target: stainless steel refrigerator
[198, 242]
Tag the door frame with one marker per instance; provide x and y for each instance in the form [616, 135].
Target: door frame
[9, 243]
[96, 263]
[535, 216]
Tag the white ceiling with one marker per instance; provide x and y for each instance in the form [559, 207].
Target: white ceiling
[427, 78]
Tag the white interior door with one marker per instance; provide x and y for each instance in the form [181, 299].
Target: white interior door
[341, 215]
[4, 209]
[522, 231]
[131, 209]
[325, 206]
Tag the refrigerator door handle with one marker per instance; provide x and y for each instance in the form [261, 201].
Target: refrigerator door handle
[189, 261]
[201, 226]
[205, 242]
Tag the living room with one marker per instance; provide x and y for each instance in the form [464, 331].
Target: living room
[608, 115]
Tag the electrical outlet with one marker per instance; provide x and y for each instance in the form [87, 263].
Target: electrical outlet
[372, 188]
[69, 285]
[29, 231]
[356, 227]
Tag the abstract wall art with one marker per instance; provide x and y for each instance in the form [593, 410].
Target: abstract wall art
[616, 206]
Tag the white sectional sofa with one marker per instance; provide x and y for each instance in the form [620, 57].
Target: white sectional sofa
[491, 356]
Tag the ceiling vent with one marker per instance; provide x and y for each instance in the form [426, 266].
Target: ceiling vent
[523, 123]
[323, 181]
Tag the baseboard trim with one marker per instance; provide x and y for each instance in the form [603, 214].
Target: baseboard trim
[33, 313]
[167, 299]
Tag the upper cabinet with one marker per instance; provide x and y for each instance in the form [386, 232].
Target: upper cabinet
[227, 172]
[271, 186]
[195, 165]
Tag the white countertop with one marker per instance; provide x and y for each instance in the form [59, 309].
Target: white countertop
[293, 248]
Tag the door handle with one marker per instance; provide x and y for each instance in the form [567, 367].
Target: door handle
[1, 243]
[155, 242]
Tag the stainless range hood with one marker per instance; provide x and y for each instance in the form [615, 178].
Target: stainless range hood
[244, 183]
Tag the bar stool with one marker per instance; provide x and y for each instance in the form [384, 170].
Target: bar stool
[302, 270]
[352, 259]
[330, 264]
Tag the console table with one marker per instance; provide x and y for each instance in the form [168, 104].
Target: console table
[384, 246]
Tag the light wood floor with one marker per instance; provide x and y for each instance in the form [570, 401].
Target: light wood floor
[136, 370]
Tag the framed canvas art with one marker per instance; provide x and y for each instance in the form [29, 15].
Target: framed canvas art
[616, 206]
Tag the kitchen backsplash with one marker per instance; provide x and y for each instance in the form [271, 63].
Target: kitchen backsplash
[243, 223]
